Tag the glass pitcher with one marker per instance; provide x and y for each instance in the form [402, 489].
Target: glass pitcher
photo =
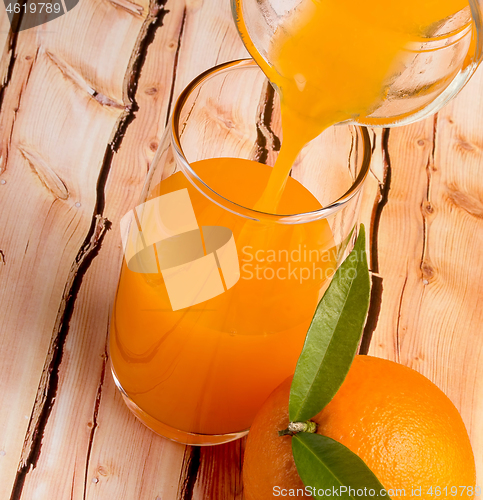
[432, 64]
[215, 297]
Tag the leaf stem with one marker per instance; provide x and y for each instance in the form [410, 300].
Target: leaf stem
[295, 427]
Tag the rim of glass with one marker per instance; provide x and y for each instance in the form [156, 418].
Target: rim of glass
[236, 208]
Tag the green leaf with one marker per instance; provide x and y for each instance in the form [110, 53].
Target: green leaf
[333, 336]
[325, 464]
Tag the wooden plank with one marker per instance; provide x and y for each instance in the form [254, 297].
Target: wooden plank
[87, 405]
[209, 38]
[94, 44]
[429, 249]
[41, 237]
[220, 472]
[52, 153]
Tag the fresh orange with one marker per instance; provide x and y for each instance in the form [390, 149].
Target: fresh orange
[406, 430]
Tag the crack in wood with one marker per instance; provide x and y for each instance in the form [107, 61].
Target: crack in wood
[373, 315]
[267, 140]
[5, 154]
[72, 487]
[377, 281]
[49, 179]
[49, 380]
[175, 66]
[131, 7]
[189, 472]
[107, 101]
[48, 385]
[94, 417]
[427, 271]
[80, 82]
[153, 22]
[11, 58]
[70, 73]
[374, 141]
[399, 309]
[384, 189]
[2, 258]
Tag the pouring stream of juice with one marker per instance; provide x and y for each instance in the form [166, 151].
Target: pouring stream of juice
[329, 61]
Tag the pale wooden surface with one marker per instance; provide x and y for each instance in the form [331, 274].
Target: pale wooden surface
[84, 102]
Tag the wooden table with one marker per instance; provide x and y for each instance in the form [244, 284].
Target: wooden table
[84, 100]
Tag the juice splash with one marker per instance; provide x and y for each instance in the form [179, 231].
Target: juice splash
[207, 369]
[329, 61]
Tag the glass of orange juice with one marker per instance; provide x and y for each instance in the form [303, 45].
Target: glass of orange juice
[216, 292]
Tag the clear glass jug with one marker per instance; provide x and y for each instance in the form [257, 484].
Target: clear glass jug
[430, 69]
[215, 297]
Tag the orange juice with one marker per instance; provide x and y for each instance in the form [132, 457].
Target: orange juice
[330, 61]
[207, 369]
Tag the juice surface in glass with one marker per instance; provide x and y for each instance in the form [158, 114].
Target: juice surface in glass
[207, 369]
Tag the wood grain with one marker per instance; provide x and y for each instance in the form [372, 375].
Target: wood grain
[430, 259]
[51, 230]
[84, 101]
[49, 196]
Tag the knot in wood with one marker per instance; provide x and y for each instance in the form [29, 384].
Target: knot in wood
[427, 271]
[428, 208]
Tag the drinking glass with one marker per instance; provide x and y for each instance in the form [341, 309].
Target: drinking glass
[215, 297]
[429, 71]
